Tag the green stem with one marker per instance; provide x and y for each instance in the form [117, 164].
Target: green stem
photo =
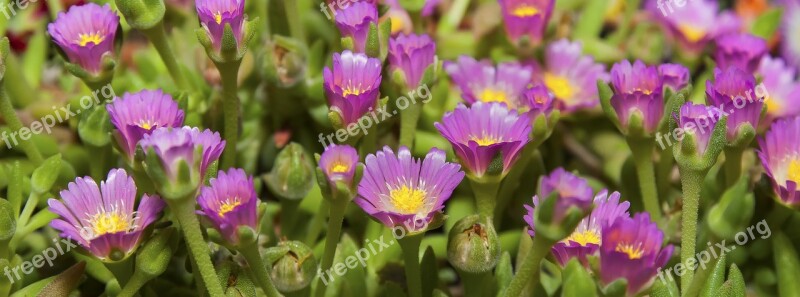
[184, 211]
[485, 196]
[134, 284]
[528, 272]
[475, 284]
[338, 208]
[15, 125]
[642, 150]
[27, 211]
[21, 91]
[691, 181]
[316, 224]
[54, 7]
[231, 105]
[733, 165]
[288, 214]
[122, 270]
[408, 125]
[259, 269]
[410, 246]
[295, 22]
[158, 37]
[452, 19]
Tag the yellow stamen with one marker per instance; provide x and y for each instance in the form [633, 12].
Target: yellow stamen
[485, 140]
[493, 95]
[339, 167]
[793, 173]
[397, 24]
[94, 38]
[228, 205]
[525, 10]
[146, 125]
[773, 106]
[559, 85]
[584, 238]
[408, 200]
[108, 222]
[352, 91]
[692, 33]
[218, 17]
[633, 252]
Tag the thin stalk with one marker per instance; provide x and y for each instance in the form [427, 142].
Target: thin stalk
[528, 272]
[691, 181]
[295, 21]
[732, 165]
[316, 224]
[288, 214]
[229, 73]
[485, 196]
[475, 284]
[338, 208]
[408, 125]
[642, 151]
[158, 37]
[122, 270]
[259, 269]
[15, 125]
[452, 19]
[410, 246]
[185, 214]
[134, 284]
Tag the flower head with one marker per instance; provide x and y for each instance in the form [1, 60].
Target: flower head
[570, 191]
[137, 114]
[695, 24]
[85, 33]
[103, 219]
[338, 163]
[401, 190]
[354, 20]
[779, 79]
[733, 92]
[674, 76]
[173, 145]
[480, 81]
[230, 202]
[631, 248]
[740, 50]
[215, 14]
[411, 54]
[698, 115]
[637, 88]
[483, 133]
[538, 101]
[571, 76]
[526, 18]
[352, 87]
[780, 155]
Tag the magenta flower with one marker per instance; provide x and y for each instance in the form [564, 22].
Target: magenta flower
[740, 50]
[411, 54]
[526, 18]
[733, 91]
[480, 81]
[137, 114]
[354, 20]
[587, 237]
[339, 162]
[637, 88]
[401, 21]
[230, 202]
[430, 7]
[538, 101]
[696, 23]
[780, 155]
[571, 76]
[779, 79]
[215, 14]
[352, 87]
[698, 115]
[571, 191]
[85, 33]
[102, 219]
[631, 248]
[173, 145]
[399, 190]
[483, 132]
[674, 76]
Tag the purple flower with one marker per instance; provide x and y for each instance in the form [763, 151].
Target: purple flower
[587, 237]
[85, 33]
[697, 116]
[354, 20]
[173, 145]
[526, 18]
[102, 219]
[339, 162]
[571, 76]
[399, 189]
[137, 114]
[570, 190]
[631, 248]
[401, 21]
[780, 155]
[696, 23]
[411, 54]
[215, 14]
[779, 79]
[480, 81]
[352, 87]
[733, 92]
[538, 101]
[230, 202]
[740, 50]
[481, 132]
[674, 76]
[637, 88]
[430, 7]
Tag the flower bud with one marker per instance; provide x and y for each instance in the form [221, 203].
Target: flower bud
[286, 62]
[142, 14]
[473, 245]
[293, 266]
[293, 174]
[226, 32]
[154, 257]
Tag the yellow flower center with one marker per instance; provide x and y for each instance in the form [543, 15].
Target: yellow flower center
[525, 10]
[228, 205]
[352, 91]
[773, 105]
[793, 173]
[633, 251]
[646, 92]
[692, 33]
[94, 38]
[339, 167]
[218, 17]
[493, 95]
[146, 125]
[584, 238]
[485, 140]
[407, 200]
[397, 24]
[559, 85]
[111, 222]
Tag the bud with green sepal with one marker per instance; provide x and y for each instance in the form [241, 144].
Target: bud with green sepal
[293, 266]
[474, 249]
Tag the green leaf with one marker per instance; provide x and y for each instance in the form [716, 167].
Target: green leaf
[767, 23]
[787, 265]
[736, 281]
[95, 129]
[34, 57]
[665, 288]
[44, 176]
[504, 272]
[591, 20]
[8, 222]
[551, 277]
[580, 282]
[715, 279]
[15, 188]
[429, 270]
[62, 284]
